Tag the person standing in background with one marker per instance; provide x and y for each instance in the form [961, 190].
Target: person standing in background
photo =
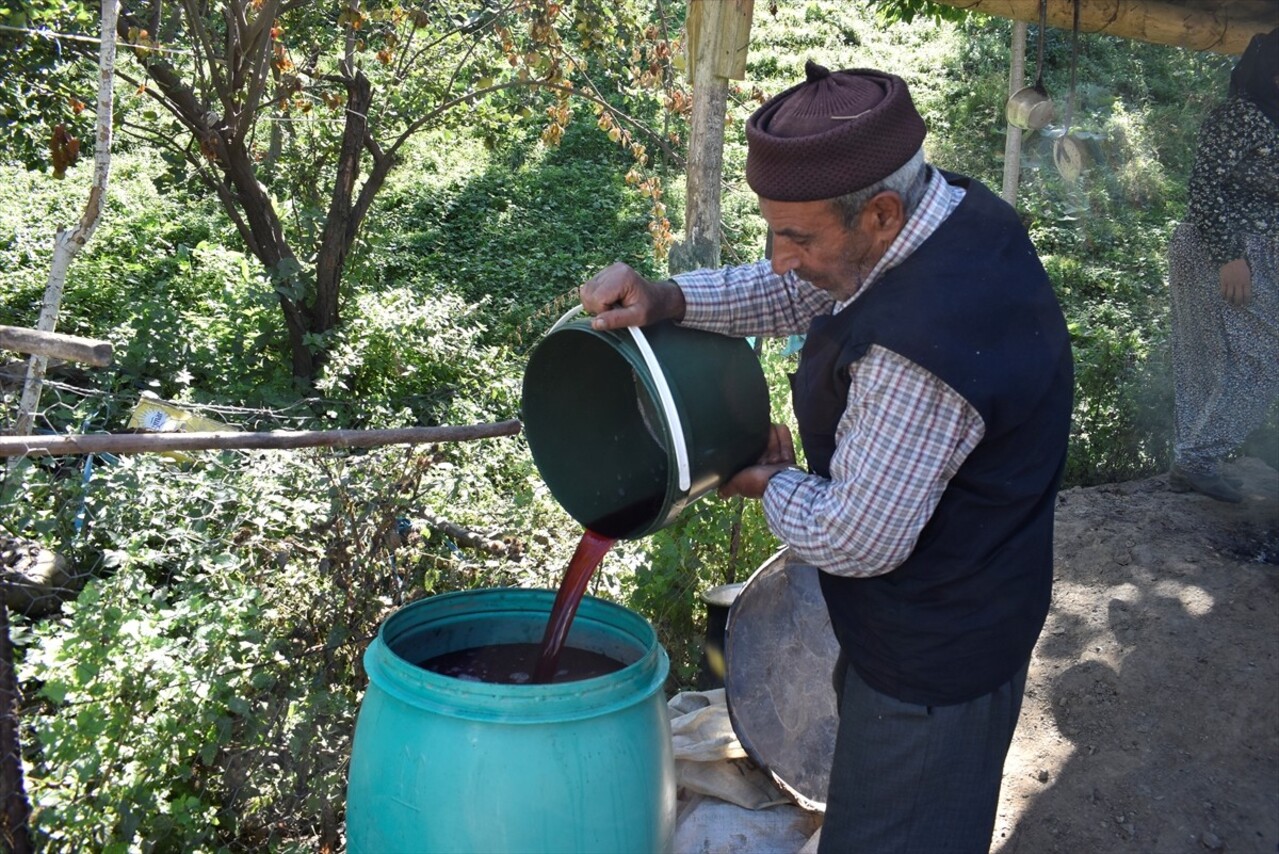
[1223, 281]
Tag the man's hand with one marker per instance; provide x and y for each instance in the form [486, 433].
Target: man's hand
[1236, 282]
[619, 297]
[750, 482]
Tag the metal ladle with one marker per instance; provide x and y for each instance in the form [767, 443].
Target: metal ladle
[1030, 108]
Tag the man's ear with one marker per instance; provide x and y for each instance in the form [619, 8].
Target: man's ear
[885, 214]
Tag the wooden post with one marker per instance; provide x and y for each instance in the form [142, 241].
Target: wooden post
[717, 34]
[73, 348]
[15, 809]
[1012, 138]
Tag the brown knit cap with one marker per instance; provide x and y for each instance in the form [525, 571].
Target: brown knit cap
[831, 135]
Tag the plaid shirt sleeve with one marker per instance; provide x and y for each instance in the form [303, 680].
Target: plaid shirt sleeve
[750, 300]
[902, 437]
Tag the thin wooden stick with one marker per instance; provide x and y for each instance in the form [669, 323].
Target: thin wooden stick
[152, 443]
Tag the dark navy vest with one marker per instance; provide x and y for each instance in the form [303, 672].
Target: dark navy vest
[973, 306]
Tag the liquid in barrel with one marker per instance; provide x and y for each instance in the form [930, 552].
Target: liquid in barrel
[514, 663]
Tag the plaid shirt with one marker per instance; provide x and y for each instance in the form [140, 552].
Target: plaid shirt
[901, 438]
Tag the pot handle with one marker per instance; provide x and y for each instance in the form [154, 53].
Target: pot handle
[664, 395]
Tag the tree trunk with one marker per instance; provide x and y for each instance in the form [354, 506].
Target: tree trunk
[268, 245]
[341, 226]
[702, 235]
[15, 816]
[68, 243]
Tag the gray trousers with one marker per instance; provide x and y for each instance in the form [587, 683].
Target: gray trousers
[909, 778]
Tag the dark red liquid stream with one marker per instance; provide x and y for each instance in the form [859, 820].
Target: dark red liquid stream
[590, 551]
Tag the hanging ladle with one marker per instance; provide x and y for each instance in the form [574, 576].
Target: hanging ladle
[1069, 153]
[1030, 108]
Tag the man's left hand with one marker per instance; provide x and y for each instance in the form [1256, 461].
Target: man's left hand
[750, 482]
[779, 455]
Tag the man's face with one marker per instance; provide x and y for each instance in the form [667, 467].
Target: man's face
[811, 239]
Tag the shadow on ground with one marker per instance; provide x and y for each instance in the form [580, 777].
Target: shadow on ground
[1151, 720]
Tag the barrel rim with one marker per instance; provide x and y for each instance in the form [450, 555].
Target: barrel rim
[580, 699]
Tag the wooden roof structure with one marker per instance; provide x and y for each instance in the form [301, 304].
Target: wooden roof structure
[1219, 26]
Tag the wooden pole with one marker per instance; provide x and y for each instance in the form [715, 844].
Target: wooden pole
[1012, 138]
[717, 33]
[15, 809]
[153, 443]
[67, 244]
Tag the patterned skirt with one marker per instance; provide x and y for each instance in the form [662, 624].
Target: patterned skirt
[1225, 358]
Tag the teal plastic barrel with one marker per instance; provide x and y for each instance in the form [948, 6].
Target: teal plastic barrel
[441, 764]
[629, 427]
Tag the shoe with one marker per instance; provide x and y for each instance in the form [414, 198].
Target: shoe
[1211, 485]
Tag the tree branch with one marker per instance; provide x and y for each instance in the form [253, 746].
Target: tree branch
[467, 537]
[257, 62]
[444, 107]
[152, 443]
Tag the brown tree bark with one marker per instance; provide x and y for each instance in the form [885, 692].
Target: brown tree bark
[15, 817]
[221, 127]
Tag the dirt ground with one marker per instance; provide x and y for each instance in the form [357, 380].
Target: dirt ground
[1151, 718]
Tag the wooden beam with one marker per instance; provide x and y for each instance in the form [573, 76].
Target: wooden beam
[1012, 133]
[72, 348]
[1219, 28]
[155, 443]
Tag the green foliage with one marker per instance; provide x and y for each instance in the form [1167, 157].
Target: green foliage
[425, 354]
[526, 226]
[716, 541]
[130, 737]
[906, 11]
[187, 317]
[42, 77]
[1119, 390]
[204, 689]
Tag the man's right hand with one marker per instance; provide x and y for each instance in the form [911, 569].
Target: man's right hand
[619, 297]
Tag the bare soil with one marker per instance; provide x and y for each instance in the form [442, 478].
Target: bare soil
[1151, 718]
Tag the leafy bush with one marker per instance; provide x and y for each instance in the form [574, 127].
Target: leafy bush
[527, 226]
[203, 690]
[424, 355]
[185, 314]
